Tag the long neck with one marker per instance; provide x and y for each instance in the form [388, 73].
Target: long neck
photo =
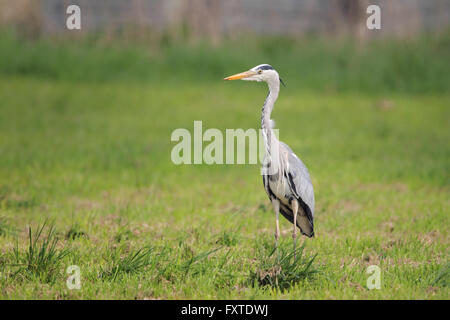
[266, 122]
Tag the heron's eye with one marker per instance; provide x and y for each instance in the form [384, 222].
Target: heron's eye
[259, 71]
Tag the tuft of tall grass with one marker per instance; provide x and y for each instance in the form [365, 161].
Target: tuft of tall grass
[281, 268]
[42, 259]
[133, 262]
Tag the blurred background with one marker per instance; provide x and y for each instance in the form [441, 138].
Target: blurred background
[327, 41]
[216, 20]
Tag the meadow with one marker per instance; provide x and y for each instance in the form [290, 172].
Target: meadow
[86, 177]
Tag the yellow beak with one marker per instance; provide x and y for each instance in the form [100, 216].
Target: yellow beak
[241, 75]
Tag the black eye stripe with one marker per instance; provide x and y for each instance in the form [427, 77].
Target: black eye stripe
[265, 67]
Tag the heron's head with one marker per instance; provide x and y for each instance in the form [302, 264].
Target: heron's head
[262, 72]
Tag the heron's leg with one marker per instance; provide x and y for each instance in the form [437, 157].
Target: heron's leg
[276, 208]
[294, 233]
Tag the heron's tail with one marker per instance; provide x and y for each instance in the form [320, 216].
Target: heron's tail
[304, 220]
[305, 225]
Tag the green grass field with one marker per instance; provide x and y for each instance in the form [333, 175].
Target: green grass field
[92, 159]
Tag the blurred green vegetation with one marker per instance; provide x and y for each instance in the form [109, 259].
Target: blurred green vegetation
[379, 65]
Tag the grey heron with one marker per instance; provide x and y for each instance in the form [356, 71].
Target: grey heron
[285, 177]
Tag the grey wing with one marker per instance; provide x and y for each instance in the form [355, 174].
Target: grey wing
[299, 181]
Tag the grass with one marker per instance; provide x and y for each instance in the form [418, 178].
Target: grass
[94, 157]
[283, 267]
[42, 259]
[5, 227]
[133, 262]
[387, 65]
